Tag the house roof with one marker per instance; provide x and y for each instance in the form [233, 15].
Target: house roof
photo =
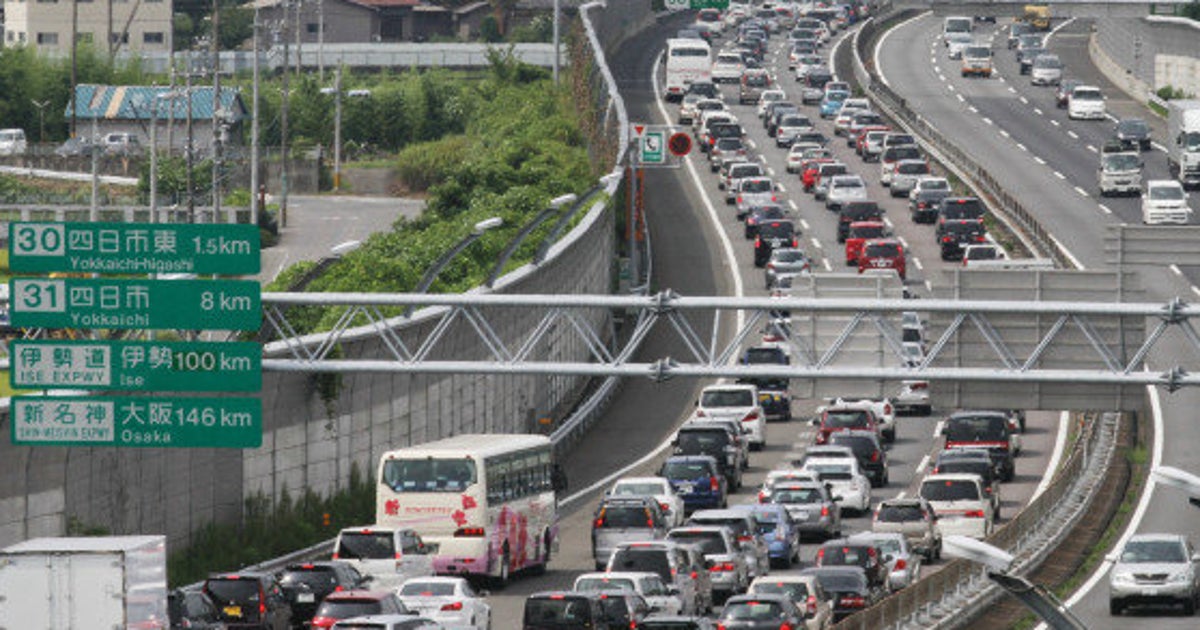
[268, 4]
[392, 3]
[135, 102]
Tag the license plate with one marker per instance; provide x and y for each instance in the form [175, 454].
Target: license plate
[233, 611]
[1149, 592]
[687, 488]
[802, 515]
[305, 598]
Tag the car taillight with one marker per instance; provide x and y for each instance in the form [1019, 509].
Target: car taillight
[919, 386]
[874, 456]
[722, 567]
[750, 417]
[811, 605]
[757, 241]
[979, 239]
[762, 497]
[739, 199]
[785, 626]
[700, 413]
[452, 606]
[770, 266]
[937, 470]
[820, 556]
[853, 601]
[974, 514]
[795, 242]
[947, 239]
[744, 538]
[664, 507]
[599, 523]
[824, 510]
[714, 484]
[473, 532]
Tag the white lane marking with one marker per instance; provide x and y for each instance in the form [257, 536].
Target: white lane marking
[929, 286]
[792, 205]
[804, 225]
[1056, 124]
[960, 98]
[1143, 504]
[1004, 133]
[817, 243]
[762, 158]
[883, 40]
[1060, 441]
[1176, 270]
[771, 171]
[1038, 111]
[1092, 148]
[781, 188]
[1024, 101]
[923, 463]
[1013, 90]
[937, 430]
[917, 263]
[1081, 191]
[987, 120]
[888, 223]
[726, 245]
[1196, 290]
[753, 145]
[825, 263]
[1021, 147]
[972, 109]
[902, 495]
[1039, 160]
[1072, 134]
[903, 242]
[1059, 175]
[1105, 209]
[998, 76]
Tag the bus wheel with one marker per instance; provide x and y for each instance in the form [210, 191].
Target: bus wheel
[540, 568]
[502, 580]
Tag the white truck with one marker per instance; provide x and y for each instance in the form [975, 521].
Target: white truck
[1183, 141]
[105, 583]
[1120, 170]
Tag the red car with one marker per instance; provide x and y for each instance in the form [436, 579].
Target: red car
[860, 232]
[346, 604]
[883, 253]
[808, 172]
[844, 418]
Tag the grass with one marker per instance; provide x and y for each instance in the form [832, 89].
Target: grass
[1157, 109]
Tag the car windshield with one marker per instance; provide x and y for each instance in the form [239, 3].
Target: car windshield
[745, 170]
[777, 229]
[976, 429]
[906, 152]
[315, 578]
[949, 490]
[727, 398]
[847, 419]
[982, 253]
[795, 591]
[912, 168]
[789, 256]
[765, 355]
[836, 95]
[963, 229]
[638, 489]
[900, 513]
[882, 250]
[729, 59]
[977, 52]
[729, 144]
[934, 184]
[842, 582]
[962, 209]
[1121, 162]
[685, 470]
[1145, 551]
[847, 183]
[366, 545]
[756, 80]
[829, 469]
[797, 495]
[1167, 193]
[833, 555]
[1191, 140]
[429, 474]
[976, 467]
[233, 591]
[709, 542]
[736, 525]
[558, 612]
[795, 121]
[866, 231]
[698, 442]
[827, 170]
[887, 545]
[623, 517]
[725, 130]
[604, 584]
[1086, 95]
[756, 186]
[752, 611]
[427, 589]
[1048, 62]
[1133, 127]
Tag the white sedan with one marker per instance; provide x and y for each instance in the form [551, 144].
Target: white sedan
[845, 480]
[657, 487]
[450, 601]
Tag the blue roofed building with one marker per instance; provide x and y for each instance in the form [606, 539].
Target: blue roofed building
[132, 108]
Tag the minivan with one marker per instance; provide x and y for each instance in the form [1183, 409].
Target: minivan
[389, 555]
[249, 600]
[12, 142]
[671, 561]
[564, 610]
[625, 519]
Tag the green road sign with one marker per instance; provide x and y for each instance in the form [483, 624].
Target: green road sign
[710, 4]
[136, 421]
[185, 366]
[654, 147]
[153, 304]
[133, 248]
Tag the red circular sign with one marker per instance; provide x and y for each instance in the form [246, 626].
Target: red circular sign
[679, 144]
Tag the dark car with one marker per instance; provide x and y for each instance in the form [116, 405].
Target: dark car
[781, 111]
[1134, 134]
[952, 208]
[770, 236]
[849, 588]
[717, 131]
[194, 610]
[306, 585]
[707, 89]
[76, 147]
[764, 611]
[1026, 56]
[676, 622]
[697, 479]
[564, 610]
[848, 552]
[766, 355]
[956, 234]
[923, 206]
[349, 604]
[988, 430]
[623, 609]
[249, 600]
[872, 459]
[762, 214]
[856, 212]
[1063, 93]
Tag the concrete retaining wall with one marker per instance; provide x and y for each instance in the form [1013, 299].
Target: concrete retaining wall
[308, 443]
[1143, 55]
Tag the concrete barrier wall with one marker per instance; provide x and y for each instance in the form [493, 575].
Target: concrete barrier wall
[309, 443]
[1143, 55]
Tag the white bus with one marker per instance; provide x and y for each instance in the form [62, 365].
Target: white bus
[687, 60]
[488, 501]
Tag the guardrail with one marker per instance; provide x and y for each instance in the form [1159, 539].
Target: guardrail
[958, 591]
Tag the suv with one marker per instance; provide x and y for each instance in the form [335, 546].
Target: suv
[956, 234]
[914, 518]
[856, 212]
[389, 555]
[121, 144]
[811, 505]
[12, 142]
[854, 553]
[727, 567]
[892, 155]
[737, 171]
[350, 604]
[306, 585]
[625, 519]
[754, 81]
[738, 402]
[953, 208]
[961, 505]
[250, 600]
[860, 232]
[845, 189]
[192, 609]
[744, 526]
[869, 452]
[883, 253]
[564, 609]
[697, 478]
[670, 561]
[985, 430]
[773, 235]
[1155, 569]
[753, 192]
[975, 461]
[844, 417]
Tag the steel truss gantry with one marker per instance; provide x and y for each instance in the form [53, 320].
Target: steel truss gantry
[844, 338]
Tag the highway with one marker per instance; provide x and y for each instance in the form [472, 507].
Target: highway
[1049, 162]
[680, 204]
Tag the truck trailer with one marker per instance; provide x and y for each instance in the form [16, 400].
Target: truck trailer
[1183, 141]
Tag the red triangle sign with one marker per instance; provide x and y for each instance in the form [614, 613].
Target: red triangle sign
[639, 129]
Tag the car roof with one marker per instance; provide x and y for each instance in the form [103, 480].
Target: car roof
[684, 458]
[359, 594]
[1162, 537]
[952, 477]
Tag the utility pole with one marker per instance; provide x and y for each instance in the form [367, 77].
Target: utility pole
[154, 156]
[216, 114]
[556, 20]
[94, 213]
[191, 198]
[337, 128]
[74, 65]
[321, 40]
[283, 133]
[299, 33]
[254, 209]
[171, 111]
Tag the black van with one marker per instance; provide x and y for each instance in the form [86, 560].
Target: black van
[715, 439]
[854, 212]
[564, 610]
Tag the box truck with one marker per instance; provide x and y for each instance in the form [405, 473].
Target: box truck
[1183, 141]
[101, 583]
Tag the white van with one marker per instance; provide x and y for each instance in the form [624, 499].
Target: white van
[12, 142]
[959, 501]
[955, 24]
[390, 555]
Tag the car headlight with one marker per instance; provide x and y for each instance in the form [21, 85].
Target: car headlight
[1182, 576]
[1122, 578]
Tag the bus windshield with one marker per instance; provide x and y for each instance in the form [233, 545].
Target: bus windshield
[429, 475]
